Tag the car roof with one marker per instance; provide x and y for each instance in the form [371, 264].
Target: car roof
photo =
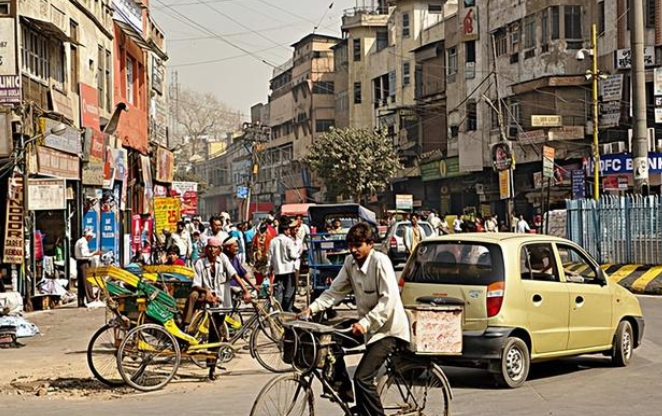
[499, 238]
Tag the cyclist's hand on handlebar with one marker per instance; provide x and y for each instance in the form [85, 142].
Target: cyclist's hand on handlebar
[304, 315]
[247, 296]
[358, 329]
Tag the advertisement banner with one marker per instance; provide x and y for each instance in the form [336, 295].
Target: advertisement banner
[47, 194]
[54, 163]
[615, 183]
[66, 141]
[469, 24]
[148, 194]
[504, 184]
[10, 89]
[165, 165]
[136, 233]
[110, 235]
[404, 202]
[188, 193]
[89, 113]
[8, 48]
[615, 164]
[611, 89]
[14, 247]
[91, 222]
[167, 211]
[547, 162]
[578, 184]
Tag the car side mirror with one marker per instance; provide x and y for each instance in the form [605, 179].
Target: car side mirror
[602, 277]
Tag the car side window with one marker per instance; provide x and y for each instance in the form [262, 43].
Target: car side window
[576, 267]
[427, 229]
[537, 262]
[400, 231]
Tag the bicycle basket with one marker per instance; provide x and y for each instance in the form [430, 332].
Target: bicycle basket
[306, 345]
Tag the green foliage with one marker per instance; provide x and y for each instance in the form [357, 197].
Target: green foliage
[354, 162]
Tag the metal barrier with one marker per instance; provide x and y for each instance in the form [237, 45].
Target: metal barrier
[618, 230]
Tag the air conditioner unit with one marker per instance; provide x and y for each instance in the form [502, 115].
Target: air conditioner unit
[652, 142]
[618, 147]
[605, 149]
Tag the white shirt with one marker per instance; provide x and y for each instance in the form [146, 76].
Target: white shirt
[377, 296]
[82, 250]
[183, 242]
[457, 224]
[491, 226]
[221, 235]
[303, 233]
[219, 283]
[523, 226]
[283, 254]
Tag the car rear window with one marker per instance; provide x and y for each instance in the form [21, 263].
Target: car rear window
[459, 263]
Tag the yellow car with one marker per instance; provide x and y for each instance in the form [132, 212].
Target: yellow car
[527, 298]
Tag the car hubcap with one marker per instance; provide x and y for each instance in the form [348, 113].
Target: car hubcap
[627, 345]
[515, 364]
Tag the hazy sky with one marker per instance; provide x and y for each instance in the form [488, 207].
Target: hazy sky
[198, 33]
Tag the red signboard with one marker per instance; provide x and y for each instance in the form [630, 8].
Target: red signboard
[89, 113]
[190, 203]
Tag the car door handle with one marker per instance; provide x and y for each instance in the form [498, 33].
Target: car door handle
[579, 300]
[537, 298]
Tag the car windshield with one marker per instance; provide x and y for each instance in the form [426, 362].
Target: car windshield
[460, 263]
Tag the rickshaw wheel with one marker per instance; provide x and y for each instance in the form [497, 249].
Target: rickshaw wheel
[102, 353]
[148, 358]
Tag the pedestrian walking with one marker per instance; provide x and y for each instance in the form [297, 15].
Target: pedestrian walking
[457, 224]
[84, 258]
[492, 224]
[215, 230]
[414, 234]
[522, 225]
[283, 254]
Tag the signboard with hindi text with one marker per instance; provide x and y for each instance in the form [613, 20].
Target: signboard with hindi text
[13, 246]
[167, 211]
[548, 162]
[47, 194]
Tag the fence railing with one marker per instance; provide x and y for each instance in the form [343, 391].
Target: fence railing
[618, 230]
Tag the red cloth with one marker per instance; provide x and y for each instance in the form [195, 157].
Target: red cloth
[178, 262]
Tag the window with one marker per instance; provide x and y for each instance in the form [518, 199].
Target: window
[435, 8]
[41, 58]
[515, 34]
[544, 30]
[382, 39]
[452, 60]
[577, 268]
[573, 22]
[323, 87]
[406, 73]
[323, 125]
[649, 12]
[472, 116]
[530, 32]
[537, 263]
[130, 76]
[357, 93]
[405, 25]
[556, 23]
[601, 18]
[101, 76]
[500, 43]
[470, 51]
[109, 81]
[356, 48]
[514, 119]
[73, 58]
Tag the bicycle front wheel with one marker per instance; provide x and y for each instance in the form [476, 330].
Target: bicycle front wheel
[268, 351]
[414, 388]
[285, 395]
[101, 353]
[148, 358]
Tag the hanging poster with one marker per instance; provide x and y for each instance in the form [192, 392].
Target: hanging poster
[91, 222]
[13, 247]
[165, 165]
[167, 211]
[148, 189]
[109, 236]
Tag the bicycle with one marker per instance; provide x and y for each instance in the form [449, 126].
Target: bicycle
[409, 385]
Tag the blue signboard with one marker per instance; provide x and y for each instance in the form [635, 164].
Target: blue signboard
[109, 235]
[622, 164]
[91, 222]
[578, 186]
[242, 192]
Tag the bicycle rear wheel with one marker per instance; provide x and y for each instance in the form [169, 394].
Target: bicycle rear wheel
[102, 353]
[414, 388]
[148, 358]
[284, 395]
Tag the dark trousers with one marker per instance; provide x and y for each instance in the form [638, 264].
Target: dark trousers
[284, 290]
[85, 289]
[215, 335]
[367, 398]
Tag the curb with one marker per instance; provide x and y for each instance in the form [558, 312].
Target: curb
[637, 278]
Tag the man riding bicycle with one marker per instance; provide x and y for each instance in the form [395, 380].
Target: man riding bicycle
[382, 318]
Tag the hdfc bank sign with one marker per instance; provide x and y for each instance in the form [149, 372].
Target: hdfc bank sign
[623, 163]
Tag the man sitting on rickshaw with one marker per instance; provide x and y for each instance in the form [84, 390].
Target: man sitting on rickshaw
[211, 285]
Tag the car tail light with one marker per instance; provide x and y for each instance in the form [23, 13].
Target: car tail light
[401, 282]
[393, 243]
[494, 299]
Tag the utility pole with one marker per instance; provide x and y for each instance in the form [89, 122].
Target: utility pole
[639, 131]
[595, 76]
[255, 135]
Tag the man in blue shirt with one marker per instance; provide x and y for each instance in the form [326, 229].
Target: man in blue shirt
[249, 234]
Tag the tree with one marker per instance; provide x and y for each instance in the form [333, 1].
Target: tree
[354, 162]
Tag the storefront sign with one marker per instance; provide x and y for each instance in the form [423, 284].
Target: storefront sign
[548, 161]
[188, 193]
[624, 57]
[129, 12]
[14, 247]
[93, 174]
[47, 194]
[110, 236]
[62, 104]
[91, 222]
[10, 89]
[578, 184]
[622, 163]
[7, 46]
[54, 163]
[611, 89]
[89, 109]
[158, 74]
[532, 136]
[546, 121]
[159, 119]
[615, 183]
[504, 184]
[610, 114]
[567, 133]
[469, 24]
[68, 141]
[165, 165]
[167, 211]
[404, 202]
[441, 169]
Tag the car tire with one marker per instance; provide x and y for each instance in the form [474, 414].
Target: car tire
[513, 368]
[623, 345]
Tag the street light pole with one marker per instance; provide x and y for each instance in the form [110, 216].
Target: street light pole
[595, 76]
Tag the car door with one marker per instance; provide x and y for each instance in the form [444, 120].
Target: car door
[591, 305]
[546, 298]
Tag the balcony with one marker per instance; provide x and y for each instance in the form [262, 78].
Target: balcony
[365, 16]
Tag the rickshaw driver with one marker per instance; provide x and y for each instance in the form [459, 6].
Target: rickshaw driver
[382, 318]
[211, 284]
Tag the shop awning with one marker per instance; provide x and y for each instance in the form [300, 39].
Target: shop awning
[131, 33]
[49, 29]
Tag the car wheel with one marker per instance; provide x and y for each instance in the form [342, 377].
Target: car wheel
[623, 345]
[515, 363]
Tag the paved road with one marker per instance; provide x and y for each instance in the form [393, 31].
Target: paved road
[579, 386]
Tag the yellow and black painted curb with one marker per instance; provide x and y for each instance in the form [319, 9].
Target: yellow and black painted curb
[636, 278]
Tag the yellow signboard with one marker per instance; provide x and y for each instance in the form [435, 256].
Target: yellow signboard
[546, 121]
[504, 184]
[167, 211]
